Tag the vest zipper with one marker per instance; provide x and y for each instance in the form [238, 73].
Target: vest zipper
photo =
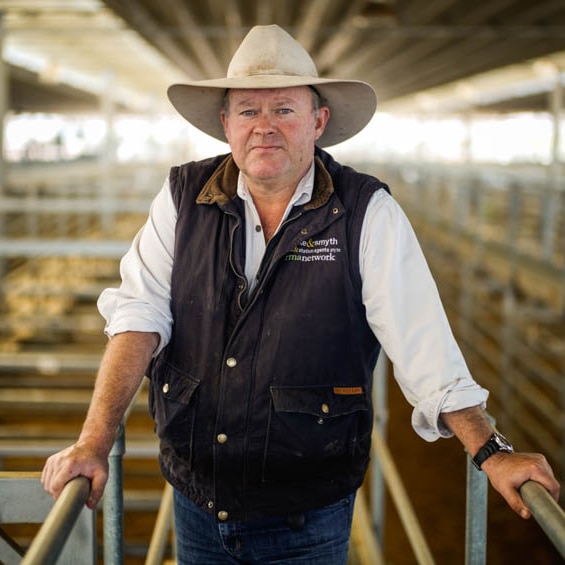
[242, 286]
[276, 237]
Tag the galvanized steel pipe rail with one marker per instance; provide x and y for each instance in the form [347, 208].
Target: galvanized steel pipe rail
[402, 501]
[547, 513]
[50, 540]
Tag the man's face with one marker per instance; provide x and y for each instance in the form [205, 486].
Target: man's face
[272, 132]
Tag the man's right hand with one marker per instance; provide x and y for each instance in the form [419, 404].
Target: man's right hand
[76, 460]
[121, 371]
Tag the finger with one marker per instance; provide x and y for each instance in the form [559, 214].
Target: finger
[546, 478]
[57, 484]
[97, 485]
[515, 502]
[46, 474]
[49, 475]
[551, 485]
[65, 472]
[50, 469]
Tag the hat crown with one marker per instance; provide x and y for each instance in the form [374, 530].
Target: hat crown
[270, 58]
[269, 50]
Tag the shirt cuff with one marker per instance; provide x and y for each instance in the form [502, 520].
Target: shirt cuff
[133, 318]
[426, 419]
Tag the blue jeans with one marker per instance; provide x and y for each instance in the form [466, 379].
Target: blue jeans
[317, 537]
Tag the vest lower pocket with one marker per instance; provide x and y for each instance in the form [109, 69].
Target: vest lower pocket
[173, 407]
[315, 432]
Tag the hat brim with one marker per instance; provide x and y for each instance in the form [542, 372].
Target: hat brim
[352, 104]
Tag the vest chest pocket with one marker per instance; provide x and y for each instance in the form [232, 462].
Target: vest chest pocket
[172, 401]
[315, 432]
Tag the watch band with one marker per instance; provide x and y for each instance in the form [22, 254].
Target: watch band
[497, 442]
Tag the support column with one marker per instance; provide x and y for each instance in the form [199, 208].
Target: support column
[551, 197]
[107, 158]
[4, 101]
[4, 107]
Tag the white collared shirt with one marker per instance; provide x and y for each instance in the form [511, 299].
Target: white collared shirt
[403, 306]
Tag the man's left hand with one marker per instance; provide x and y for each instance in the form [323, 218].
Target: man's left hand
[507, 472]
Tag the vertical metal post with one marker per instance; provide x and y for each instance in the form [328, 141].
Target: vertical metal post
[3, 111]
[4, 102]
[551, 200]
[476, 512]
[380, 403]
[510, 307]
[513, 226]
[476, 516]
[113, 504]
[107, 156]
[464, 185]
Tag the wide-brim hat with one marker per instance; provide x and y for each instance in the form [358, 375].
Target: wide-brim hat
[268, 57]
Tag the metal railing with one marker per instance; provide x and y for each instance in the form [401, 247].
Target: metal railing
[476, 494]
[50, 540]
[24, 501]
[367, 533]
[53, 534]
[163, 526]
[47, 545]
[547, 513]
[401, 500]
[545, 510]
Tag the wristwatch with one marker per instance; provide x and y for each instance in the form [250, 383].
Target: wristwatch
[497, 442]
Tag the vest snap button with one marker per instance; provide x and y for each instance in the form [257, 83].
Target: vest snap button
[231, 362]
[166, 388]
[210, 504]
[325, 409]
[222, 438]
[223, 515]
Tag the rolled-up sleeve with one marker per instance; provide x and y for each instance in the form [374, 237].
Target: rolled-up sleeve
[142, 301]
[405, 312]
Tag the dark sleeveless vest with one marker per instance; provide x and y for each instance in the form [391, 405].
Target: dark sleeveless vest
[262, 400]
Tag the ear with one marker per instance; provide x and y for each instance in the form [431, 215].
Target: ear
[321, 121]
[224, 120]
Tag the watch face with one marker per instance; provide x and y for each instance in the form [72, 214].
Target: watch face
[502, 442]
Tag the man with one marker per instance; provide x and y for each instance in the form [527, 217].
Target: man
[260, 290]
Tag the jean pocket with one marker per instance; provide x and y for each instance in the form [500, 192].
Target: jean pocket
[173, 402]
[314, 431]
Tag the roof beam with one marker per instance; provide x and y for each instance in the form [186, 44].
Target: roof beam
[264, 13]
[424, 12]
[309, 22]
[444, 71]
[233, 21]
[339, 43]
[137, 17]
[203, 51]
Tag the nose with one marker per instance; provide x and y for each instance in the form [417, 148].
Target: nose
[264, 124]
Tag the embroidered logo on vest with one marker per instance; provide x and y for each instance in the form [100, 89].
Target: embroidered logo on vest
[310, 250]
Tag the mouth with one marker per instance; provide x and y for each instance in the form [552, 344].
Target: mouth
[265, 147]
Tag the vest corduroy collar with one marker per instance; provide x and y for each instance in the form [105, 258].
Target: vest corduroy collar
[221, 187]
